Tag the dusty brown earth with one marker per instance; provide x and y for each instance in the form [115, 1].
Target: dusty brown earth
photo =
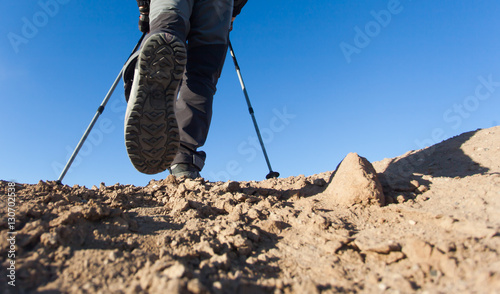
[424, 222]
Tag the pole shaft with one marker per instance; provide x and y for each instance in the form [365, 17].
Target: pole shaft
[90, 127]
[250, 108]
[96, 117]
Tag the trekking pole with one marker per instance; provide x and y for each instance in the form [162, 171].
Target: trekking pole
[271, 174]
[96, 116]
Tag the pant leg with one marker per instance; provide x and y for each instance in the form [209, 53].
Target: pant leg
[167, 16]
[207, 43]
[204, 24]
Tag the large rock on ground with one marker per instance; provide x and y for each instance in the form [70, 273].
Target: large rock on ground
[355, 182]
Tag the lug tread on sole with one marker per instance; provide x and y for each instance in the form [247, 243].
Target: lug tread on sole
[151, 133]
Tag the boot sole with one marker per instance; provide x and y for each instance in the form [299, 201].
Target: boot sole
[151, 131]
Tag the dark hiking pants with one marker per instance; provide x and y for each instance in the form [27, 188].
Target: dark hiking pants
[204, 25]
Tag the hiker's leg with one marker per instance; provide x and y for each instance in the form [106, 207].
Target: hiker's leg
[207, 48]
[170, 16]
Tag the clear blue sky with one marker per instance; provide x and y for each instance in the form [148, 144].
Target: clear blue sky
[325, 78]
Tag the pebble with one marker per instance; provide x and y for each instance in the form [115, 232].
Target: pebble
[382, 286]
[113, 255]
[176, 271]
[401, 199]
[231, 186]
[195, 286]
[240, 197]
[414, 183]
[217, 285]
[422, 189]
[319, 182]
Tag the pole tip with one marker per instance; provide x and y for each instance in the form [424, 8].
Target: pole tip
[272, 175]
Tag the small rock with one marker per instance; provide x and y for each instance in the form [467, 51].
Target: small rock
[251, 260]
[417, 250]
[301, 183]
[393, 257]
[171, 180]
[262, 257]
[273, 226]
[231, 187]
[240, 197]
[217, 285]
[319, 182]
[180, 205]
[422, 189]
[220, 261]
[225, 203]
[382, 286]
[181, 190]
[252, 199]
[355, 182]
[242, 245]
[376, 245]
[49, 239]
[401, 198]
[236, 214]
[253, 213]
[254, 235]
[113, 255]
[191, 185]
[415, 184]
[97, 212]
[176, 271]
[196, 287]
[67, 218]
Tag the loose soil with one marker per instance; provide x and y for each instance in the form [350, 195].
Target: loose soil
[433, 227]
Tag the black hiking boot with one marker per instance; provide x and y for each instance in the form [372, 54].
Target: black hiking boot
[151, 131]
[128, 74]
[185, 170]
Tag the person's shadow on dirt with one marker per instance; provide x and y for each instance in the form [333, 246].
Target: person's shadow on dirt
[445, 159]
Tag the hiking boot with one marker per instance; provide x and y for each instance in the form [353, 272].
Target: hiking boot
[185, 170]
[128, 74]
[151, 131]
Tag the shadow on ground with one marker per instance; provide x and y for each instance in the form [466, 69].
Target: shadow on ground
[446, 159]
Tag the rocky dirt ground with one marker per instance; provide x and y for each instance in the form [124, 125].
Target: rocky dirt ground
[425, 222]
